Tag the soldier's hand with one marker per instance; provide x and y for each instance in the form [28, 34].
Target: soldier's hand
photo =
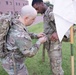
[43, 39]
[54, 37]
[40, 35]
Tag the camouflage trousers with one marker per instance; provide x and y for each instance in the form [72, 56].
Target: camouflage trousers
[8, 65]
[55, 56]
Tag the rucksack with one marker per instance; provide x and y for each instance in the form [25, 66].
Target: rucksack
[4, 28]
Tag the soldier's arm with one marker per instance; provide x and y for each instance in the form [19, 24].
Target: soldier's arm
[31, 51]
[24, 45]
[36, 36]
[48, 29]
[49, 24]
[33, 35]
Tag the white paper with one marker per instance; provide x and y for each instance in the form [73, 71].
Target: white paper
[65, 15]
[74, 3]
[62, 26]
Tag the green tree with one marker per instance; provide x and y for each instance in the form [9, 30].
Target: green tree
[48, 3]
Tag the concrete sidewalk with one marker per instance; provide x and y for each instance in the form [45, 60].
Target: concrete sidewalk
[38, 20]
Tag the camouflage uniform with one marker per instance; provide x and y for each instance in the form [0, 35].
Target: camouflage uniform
[53, 48]
[19, 45]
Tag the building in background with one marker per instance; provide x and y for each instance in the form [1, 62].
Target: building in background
[13, 6]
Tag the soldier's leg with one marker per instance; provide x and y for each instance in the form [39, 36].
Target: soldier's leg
[55, 55]
[8, 66]
[23, 71]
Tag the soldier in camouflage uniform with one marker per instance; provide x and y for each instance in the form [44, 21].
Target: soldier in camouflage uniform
[19, 43]
[53, 46]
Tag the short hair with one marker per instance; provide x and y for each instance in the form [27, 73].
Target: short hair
[36, 1]
[28, 10]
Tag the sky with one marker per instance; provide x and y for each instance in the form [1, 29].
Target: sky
[43, 0]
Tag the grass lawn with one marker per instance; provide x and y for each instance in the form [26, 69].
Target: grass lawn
[37, 67]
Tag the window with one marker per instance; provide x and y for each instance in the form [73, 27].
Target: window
[7, 11]
[10, 3]
[19, 4]
[6, 2]
[0, 3]
[16, 3]
[23, 4]
[11, 12]
[1, 13]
